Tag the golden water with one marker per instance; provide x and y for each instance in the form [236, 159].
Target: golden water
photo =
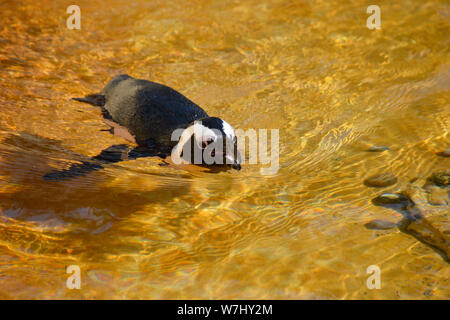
[311, 69]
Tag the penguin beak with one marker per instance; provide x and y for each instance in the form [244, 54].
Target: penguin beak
[233, 156]
[236, 166]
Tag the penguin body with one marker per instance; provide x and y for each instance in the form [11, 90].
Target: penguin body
[147, 112]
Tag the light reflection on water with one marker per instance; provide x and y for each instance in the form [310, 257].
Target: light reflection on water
[140, 230]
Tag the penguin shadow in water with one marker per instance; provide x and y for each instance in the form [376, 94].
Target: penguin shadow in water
[28, 155]
[110, 155]
[414, 223]
[24, 158]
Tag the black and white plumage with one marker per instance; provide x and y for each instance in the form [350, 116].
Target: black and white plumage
[149, 113]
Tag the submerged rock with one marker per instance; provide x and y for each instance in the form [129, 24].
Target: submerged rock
[380, 225]
[391, 198]
[381, 180]
[441, 179]
[413, 222]
[425, 232]
[445, 153]
[378, 149]
[438, 196]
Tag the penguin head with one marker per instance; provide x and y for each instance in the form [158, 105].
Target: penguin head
[209, 141]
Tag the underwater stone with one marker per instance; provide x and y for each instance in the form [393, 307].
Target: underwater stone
[445, 153]
[378, 149]
[441, 178]
[438, 196]
[391, 198]
[381, 180]
[380, 225]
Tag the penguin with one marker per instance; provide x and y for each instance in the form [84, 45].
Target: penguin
[151, 114]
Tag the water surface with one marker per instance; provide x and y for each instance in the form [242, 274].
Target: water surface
[311, 69]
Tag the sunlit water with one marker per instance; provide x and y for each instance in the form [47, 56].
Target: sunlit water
[311, 69]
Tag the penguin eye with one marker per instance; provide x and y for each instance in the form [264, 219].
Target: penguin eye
[207, 142]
